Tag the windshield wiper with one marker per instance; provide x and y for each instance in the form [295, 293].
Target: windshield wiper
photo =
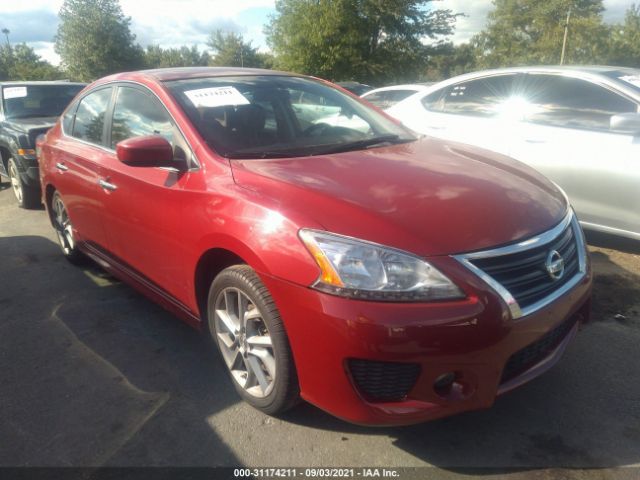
[362, 144]
[312, 150]
[240, 154]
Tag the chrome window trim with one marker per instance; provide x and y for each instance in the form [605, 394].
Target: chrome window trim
[537, 241]
[113, 83]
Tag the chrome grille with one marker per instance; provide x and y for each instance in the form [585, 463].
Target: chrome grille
[525, 274]
[520, 274]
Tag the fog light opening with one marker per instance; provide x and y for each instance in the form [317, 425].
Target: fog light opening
[444, 383]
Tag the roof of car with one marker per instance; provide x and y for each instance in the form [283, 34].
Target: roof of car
[167, 74]
[186, 73]
[589, 69]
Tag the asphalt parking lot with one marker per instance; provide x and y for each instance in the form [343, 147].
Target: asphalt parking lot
[94, 374]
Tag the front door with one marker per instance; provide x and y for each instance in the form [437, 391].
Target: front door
[143, 204]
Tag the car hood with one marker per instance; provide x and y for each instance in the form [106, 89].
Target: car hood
[24, 125]
[429, 197]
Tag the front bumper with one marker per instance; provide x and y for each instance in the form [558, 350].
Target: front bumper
[28, 170]
[474, 339]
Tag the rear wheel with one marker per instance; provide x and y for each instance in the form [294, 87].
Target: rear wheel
[27, 197]
[246, 325]
[64, 230]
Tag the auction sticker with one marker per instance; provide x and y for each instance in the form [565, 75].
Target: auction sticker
[216, 97]
[14, 92]
[632, 79]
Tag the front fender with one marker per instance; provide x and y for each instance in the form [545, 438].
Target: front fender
[259, 230]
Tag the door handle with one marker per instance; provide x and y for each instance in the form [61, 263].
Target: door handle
[107, 186]
[62, 167]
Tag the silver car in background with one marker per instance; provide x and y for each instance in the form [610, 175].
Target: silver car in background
[386, 97]
[580, 126]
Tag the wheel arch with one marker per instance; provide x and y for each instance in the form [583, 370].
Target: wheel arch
[209, 265]
[49, 190]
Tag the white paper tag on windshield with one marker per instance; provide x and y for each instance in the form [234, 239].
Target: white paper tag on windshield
[632, 79]
[216, 97]
[14, 92]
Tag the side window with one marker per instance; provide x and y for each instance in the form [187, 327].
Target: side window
[433, 102]
[479, 98]
[67, 118]
[378, 99]
[572, 103]
[89, 120]
[388, 98]
[136, 114]
[396, 96]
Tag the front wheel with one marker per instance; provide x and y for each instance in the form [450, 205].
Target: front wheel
[27, 197]
[246, 325]
[64, 230]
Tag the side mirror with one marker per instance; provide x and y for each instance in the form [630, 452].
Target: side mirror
[148, 151]
[626, 123]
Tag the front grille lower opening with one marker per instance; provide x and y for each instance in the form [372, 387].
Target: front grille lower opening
[383, 381]
[537, 351]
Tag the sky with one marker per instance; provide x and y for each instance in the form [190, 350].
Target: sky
[173, 23]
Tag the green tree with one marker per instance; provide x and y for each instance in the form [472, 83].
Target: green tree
[367, 40]
[448, 60]
[523, 32]
[20, 62]
[230, 50]
[157, 57]
[625, 40]
[94, 39]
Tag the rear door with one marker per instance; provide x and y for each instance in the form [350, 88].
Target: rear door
[566, 135]
[143, 204]
[77, 156]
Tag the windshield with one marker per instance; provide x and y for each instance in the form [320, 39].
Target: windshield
[280, 116]
[24, 101]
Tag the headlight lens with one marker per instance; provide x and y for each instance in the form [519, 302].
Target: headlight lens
[358, 269]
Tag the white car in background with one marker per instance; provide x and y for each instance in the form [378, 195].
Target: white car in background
[386, 97]
[580, 126]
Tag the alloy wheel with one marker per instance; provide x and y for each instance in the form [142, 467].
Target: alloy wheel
[63, 226]
[245, 342]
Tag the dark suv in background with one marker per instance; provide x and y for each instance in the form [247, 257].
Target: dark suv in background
[28, 109]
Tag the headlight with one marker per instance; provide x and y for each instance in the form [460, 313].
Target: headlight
[359, 269]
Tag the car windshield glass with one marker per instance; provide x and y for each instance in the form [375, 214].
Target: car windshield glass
[25, 101]
[280, 116]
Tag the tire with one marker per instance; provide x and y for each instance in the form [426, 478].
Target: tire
[64, 230]
[256, 350]
[27, 197]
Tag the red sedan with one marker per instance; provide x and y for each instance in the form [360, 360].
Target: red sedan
[328, 252]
